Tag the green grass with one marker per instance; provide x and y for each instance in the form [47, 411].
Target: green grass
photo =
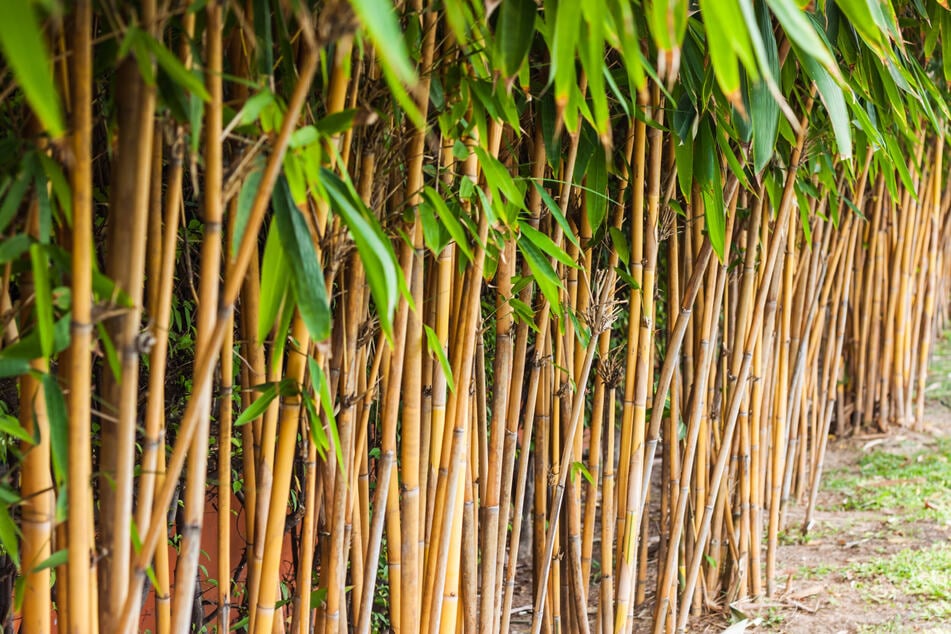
[939, 370]
[918, 484]
[924, 573]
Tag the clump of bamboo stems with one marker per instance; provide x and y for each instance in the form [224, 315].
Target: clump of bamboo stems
[524, 314]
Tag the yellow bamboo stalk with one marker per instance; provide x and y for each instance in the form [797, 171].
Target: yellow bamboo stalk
[186, 570]
[80, 529]
[36, 482]
[126, 265]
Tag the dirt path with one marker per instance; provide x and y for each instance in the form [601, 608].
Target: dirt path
[878, 557]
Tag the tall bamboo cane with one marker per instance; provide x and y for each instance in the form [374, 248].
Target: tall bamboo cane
[79, 491]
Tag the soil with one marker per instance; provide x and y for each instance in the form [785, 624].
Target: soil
[818, 590]
[842, 539]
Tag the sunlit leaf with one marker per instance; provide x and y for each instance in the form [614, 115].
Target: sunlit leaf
[24, 47]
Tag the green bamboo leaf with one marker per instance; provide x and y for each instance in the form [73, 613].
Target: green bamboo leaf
[801, 31]
[8, 536]
[546, 245]
[174, 67]
[259, 405]
[59, 558]
[684, 118]
[514, 33]
[337, 122]
[13, 198]
[567, 23]
[60, 185]
[303, 137]
[380, 22]
[597, 188]
[628, 41]
[668, 23]
[869, 22]
[545, 276]
[499, 178]
[253, 107]
[619, 240]
[322, 388]
[556, 214]
[59, 427]
[11, 426]
[899, 160]
[727, 45]
[10, 367]
[834, 100]
[275, 281]
[249, 190]
[307, 278]
[707, 171]
[13, 247]
[42, 298]
[432, 342]
[383, 272]
[24, 47]
[591, 54]
[449, 220]
[764, 106]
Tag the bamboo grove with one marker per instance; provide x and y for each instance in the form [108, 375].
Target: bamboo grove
[368, 316]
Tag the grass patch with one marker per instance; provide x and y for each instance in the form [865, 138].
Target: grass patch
[923, 573]
[918, 484]
[939, 370]
[815, 572]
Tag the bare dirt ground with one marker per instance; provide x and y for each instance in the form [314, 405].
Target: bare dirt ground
[864, 569]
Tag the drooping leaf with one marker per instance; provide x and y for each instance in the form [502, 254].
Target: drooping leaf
[307, 277]
[322, 389]
[432, 342]
[249, 190]
[11, 426]
[727, 45]
[275, 281]
[13, 198]
[13, 247]
[596, 191]
[545, 276]
[381, 25]
[514, 33]
[268, 392]
[764, 106]
[546, 245]
[707, 171]
[556, 213]
[802, 32]
[24, 47]
[174, 67]
[834, 101]
[8, 535]
[42, 298]
[448, 220]
[383, 271]
[59, 427]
